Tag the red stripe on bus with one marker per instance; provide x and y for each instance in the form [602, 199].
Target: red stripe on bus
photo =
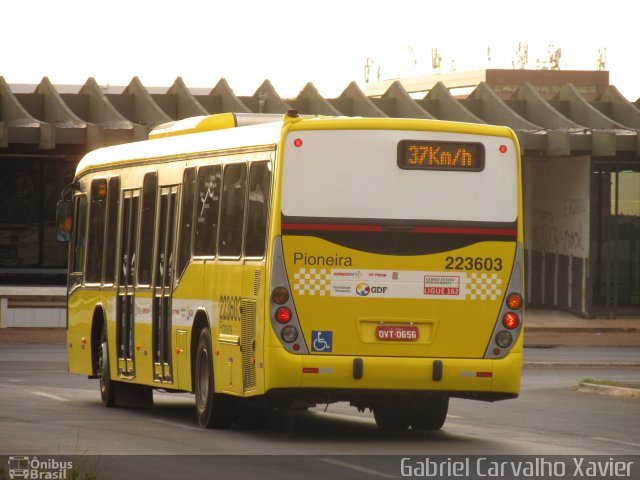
[507, 232]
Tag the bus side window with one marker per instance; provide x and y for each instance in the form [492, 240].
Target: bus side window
[113, 207]
[128, 234]
[95, 240]
[64, 220]
[207, 205]
[76, 267]
[147, 226]
[232, 210]
[186, 219]
[258, 209]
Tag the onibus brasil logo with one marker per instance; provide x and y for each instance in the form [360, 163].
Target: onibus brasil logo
[33, 468]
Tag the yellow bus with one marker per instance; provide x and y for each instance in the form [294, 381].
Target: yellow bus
[274, 261]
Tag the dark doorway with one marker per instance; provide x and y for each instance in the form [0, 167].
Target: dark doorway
[615, 234]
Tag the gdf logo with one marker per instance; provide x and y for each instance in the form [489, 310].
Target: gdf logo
[379, 289]
[363, 289]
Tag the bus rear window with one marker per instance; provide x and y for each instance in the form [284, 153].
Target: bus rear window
[357, 174]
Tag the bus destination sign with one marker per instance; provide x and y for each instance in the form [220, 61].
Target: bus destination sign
[428, 155]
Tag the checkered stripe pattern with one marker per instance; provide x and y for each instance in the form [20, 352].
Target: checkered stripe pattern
[312, 282]
[484, 286]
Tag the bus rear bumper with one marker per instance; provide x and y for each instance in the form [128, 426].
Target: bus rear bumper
[454, 376]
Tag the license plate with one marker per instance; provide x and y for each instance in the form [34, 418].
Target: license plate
[395, 333]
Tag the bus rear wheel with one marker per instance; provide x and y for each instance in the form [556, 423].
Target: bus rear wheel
[391, 418]
[214, 410]
[432, 415]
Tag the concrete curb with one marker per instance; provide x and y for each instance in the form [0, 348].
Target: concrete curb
[581, 329]
[567, 364]
[609, 390]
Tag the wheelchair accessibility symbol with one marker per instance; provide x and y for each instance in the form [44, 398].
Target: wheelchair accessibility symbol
[321, 341]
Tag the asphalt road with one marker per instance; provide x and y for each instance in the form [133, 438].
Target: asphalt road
[46, 411]
[592, 356]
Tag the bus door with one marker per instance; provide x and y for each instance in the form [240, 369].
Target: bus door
[126, 291]
[161, 316]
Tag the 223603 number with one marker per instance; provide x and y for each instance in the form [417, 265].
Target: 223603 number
[473, 263]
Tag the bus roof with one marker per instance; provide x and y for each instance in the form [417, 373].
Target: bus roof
[199, 135]
[207, 123]
[188, 144]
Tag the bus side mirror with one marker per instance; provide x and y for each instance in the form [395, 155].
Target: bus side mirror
[64, 220]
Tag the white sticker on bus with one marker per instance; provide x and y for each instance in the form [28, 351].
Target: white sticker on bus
[448, 285]
[397, 284]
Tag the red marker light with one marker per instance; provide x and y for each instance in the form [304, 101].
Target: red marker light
[503, 149]
[297, 142]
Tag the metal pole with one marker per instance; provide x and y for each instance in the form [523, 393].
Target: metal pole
[608, 239]
[615, 241]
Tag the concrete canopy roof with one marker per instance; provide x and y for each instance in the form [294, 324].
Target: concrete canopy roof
[551, 121]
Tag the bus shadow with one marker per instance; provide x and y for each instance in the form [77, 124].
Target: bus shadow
[308, 427]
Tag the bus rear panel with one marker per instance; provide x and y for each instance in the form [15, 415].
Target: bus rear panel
[401, 254]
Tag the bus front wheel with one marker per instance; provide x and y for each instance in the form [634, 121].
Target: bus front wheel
[115, 393]
[107, 388]
[214, 410]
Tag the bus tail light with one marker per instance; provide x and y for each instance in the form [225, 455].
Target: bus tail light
[514, 301]
[285, 323]
[510, 320]
[289, 334]
[508, 325]
[283, 315]
[504, 339]
[280, 295]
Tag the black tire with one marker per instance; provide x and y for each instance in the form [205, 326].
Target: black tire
[214, 410]
[432, 415]
[394, 419]
[119, 394]
[107, 386]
